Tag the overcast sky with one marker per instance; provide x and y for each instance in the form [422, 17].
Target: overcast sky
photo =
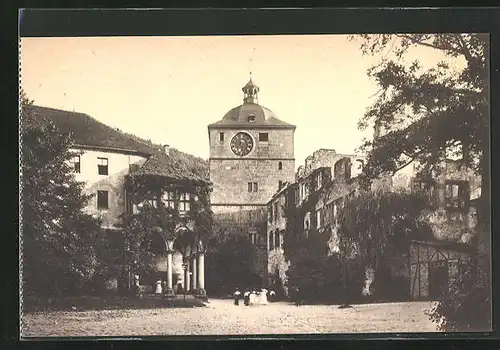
[168, 89]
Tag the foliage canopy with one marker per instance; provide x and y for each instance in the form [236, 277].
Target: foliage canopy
[59, 240]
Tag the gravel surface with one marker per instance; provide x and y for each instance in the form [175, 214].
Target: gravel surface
[221, 317]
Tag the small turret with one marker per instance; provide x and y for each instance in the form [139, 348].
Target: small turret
[250, 91]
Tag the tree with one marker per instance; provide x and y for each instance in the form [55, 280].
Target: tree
[464, 307]
[307, 267]
[374, 226]
[306, 249]
[142, 240]
[429, 114]
[58, 239]
[230, 264]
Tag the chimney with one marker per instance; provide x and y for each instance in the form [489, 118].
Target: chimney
[166, 149]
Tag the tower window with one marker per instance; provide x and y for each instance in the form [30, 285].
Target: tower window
[251, 118]
[221, 137]
[280, 184]
[263, 137]
[253, 187]
[280, 165]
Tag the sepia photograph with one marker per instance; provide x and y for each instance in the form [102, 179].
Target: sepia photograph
[254, 185]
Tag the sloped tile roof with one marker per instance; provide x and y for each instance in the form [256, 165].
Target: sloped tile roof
[175, 165]
[88, 131]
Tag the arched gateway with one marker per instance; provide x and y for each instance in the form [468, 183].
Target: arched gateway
[180, 260]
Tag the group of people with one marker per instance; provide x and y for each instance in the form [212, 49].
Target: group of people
[253, 296]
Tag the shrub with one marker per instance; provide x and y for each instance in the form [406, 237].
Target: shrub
[387, 287]
[467, 306]
[231, 265]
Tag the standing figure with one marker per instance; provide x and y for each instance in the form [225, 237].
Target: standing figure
[272, 296]
[296, 295]
[263, 296]
[158, 287]
[253, 297]
[136, 286]
[236, 295]
[246, 297]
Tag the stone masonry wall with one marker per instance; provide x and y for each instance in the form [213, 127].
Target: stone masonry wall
[453, 225]
[230, 178]
[280, 144]
[328, 158]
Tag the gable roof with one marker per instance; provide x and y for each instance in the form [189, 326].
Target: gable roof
[88, 131]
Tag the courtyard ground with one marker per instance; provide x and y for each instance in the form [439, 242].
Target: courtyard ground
[221, 317]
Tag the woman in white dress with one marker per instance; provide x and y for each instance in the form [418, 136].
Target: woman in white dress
[253, 298]
[158, 287]
[263, 297]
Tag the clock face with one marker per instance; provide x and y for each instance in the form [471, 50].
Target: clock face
[241, 144]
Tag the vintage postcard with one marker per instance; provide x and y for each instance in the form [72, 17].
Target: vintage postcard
[254, 184]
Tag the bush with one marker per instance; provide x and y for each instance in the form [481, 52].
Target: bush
[231, 265]
[333, 289]
[467, 306]
[306, 274]
[387, 287]
[355, 280]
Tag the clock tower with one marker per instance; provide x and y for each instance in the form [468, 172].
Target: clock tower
[251, 155]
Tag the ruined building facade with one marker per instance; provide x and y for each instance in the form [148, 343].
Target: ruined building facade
[427, 267]
[327, 174]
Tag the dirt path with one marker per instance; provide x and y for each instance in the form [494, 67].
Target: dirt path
[221, 317]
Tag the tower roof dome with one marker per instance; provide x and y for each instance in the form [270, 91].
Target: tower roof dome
[250, 114]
